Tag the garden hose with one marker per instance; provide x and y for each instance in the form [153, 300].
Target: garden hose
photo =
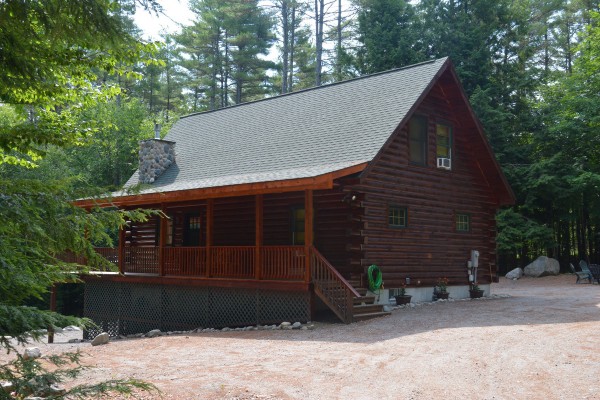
[375, 278]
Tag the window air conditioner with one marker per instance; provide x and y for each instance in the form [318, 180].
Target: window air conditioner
[444, 163]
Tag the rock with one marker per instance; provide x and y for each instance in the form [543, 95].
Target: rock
[71, 328]
[31, 353]
[74, 340]
[226, 329]
[55, 390]
[516, 273]
[543, 266]
[102, 338]
[154, 333]
[283, 324]
[7, 386]
[296, 325]
[387, 308]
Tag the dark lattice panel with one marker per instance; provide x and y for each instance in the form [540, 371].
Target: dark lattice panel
[276, 307]
[184, 308]
[232, 307]
[141, 308]
[126, 308]
[102, 305]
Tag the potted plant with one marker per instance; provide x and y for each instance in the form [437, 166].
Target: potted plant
[402, 297]
[441, 289]
[475, 292]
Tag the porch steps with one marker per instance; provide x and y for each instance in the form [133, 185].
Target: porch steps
[364, 307]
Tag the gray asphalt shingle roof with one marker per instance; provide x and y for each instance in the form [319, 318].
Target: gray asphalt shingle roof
[299, 135]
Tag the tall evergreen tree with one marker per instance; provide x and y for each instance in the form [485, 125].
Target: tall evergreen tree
[388, 32]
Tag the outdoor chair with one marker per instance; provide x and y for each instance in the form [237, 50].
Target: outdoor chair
[584, 268]
[595, 270]
[580, 274]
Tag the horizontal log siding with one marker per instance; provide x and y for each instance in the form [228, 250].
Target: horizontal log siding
[233, 221]
[429, 248]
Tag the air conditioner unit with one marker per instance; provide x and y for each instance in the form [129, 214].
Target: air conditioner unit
[444, 163]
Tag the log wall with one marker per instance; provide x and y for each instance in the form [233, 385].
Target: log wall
[429, 248]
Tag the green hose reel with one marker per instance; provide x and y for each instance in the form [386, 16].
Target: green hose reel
[375, 278]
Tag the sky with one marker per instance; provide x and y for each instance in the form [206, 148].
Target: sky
[175, 12]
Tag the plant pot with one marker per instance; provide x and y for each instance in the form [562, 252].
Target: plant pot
[403, 299]
[475, 294]
[443, 295]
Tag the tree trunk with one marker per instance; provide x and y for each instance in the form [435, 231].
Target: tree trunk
[292, 48]
[286, 46]
[338, 63]
[319, 10]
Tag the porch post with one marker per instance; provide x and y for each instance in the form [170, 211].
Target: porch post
[209, 233]
[162, 239]
[122, 249]
[258, 216]
[308, 230]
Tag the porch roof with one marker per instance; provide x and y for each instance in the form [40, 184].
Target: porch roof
[300, 135]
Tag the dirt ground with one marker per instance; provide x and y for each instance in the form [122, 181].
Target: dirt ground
[539, 343]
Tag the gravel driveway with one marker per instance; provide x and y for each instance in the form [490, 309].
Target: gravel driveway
[539, 343]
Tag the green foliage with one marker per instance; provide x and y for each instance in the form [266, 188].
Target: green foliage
[33, 377]
[516, 232]
[388, 34]
[52, 56]
[109, 157]
[222, 51]
[39, 225]
[23, 323]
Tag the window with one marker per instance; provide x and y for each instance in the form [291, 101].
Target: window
[463, 223]
[397, 217]
[417, 133]
[298, 226]
[444, 140]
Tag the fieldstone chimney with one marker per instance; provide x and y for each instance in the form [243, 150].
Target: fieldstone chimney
[156, 156]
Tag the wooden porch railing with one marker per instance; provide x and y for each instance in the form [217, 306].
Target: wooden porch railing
[283, 262]
[331, 287]
[111, 254]
[185, 261]
[232, 262]
[143, 260]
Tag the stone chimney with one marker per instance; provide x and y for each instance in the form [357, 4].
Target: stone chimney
[156, 156]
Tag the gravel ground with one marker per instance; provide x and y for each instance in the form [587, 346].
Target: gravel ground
[538, 343]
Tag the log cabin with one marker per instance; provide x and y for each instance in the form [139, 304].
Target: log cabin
[277, 207]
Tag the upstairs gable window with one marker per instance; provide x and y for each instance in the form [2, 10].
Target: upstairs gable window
[444, 144]
[417, 134]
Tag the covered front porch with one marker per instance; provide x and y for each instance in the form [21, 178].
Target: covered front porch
[238, 238]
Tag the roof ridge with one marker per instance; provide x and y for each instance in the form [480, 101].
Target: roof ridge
[319, 87]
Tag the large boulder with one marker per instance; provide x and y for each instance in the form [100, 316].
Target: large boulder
[101, 339]
[543, 266]
[516, 273]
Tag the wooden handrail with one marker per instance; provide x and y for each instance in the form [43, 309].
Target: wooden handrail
[331, 287]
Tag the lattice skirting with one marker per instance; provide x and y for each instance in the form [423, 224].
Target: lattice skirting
[121, 308]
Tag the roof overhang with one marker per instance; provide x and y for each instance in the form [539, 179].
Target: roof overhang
[324, 181]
